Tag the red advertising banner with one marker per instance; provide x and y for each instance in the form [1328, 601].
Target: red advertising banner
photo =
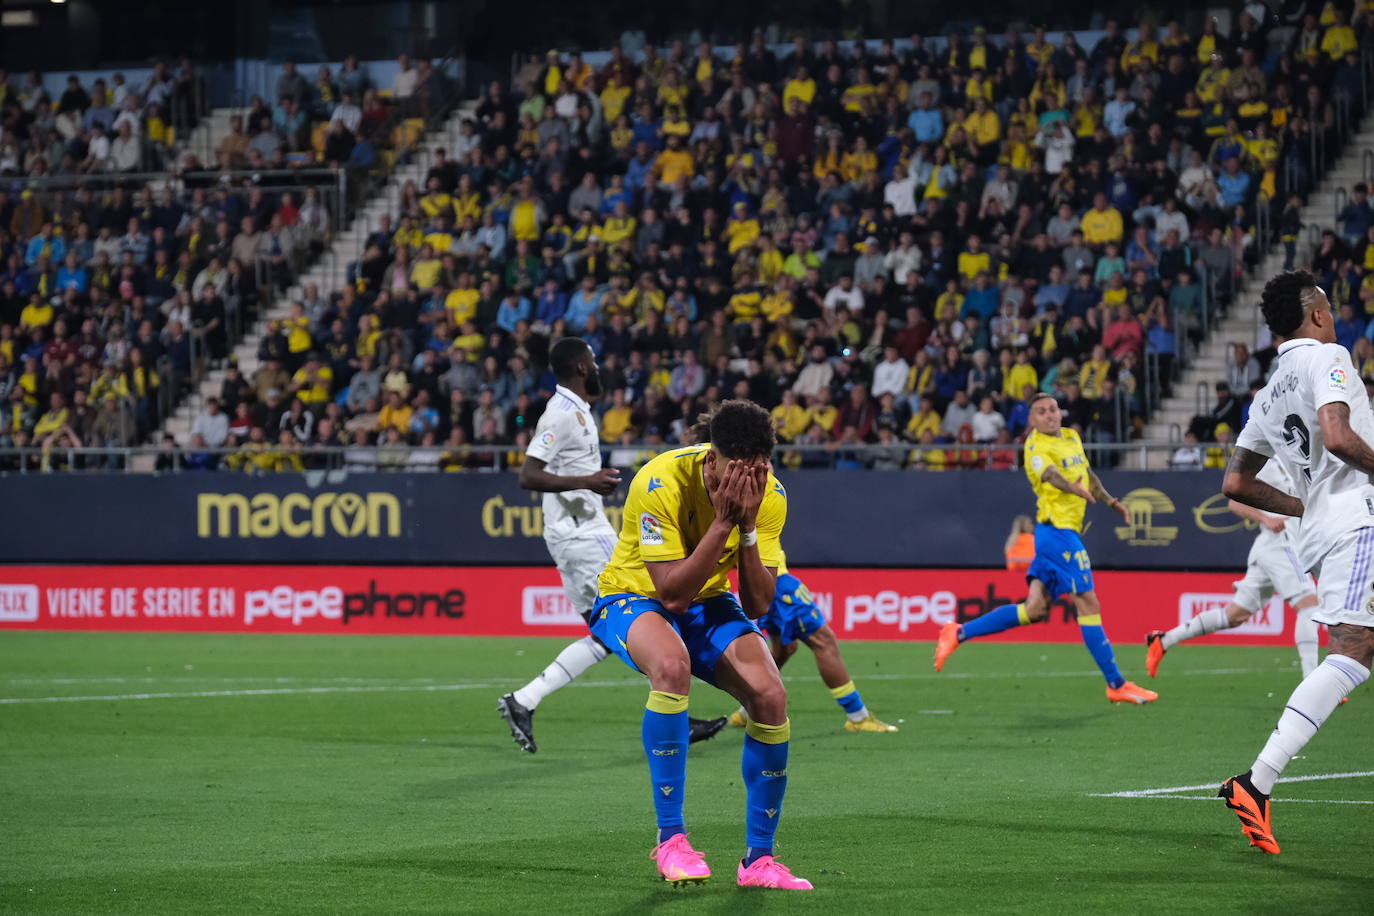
[528, 601]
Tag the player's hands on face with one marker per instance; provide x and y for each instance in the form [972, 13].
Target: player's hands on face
[756, 477]
[604, 481]
[729, 496]
[1275, 523]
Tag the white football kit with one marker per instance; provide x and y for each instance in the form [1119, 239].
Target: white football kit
[1336, 535]
[1273, 566]
[579, 536]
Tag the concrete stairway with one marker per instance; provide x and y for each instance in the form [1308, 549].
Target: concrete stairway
[1244, 320]
[330, 270]
[206, 136]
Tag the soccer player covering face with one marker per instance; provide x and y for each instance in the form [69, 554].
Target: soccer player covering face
[665, 608]
[564, 463]
[1314, 419]
[1064, 484]
[1272, 567]
[794, 617]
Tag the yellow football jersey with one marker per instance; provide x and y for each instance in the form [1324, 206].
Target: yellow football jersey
[667, 513]
[1065, 451]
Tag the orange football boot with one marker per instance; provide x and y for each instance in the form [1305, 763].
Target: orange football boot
[1154, 651]
[1130, 693]
[945, 645]
[1252, 807]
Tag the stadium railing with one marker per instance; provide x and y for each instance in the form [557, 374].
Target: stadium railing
[496, 458]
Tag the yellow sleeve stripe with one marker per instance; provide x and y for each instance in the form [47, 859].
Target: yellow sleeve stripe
[769, 734]
[1090, 620]
[1022, 615]
[843, 690]
[666, 703]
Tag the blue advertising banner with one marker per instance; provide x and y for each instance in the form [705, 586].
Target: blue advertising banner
[1178, 521]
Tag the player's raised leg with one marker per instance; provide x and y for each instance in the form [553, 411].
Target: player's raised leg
[747, 672]
[1345, 667]
[1158, 642]
[1035, 608]
[1272, 567]
[658, 651]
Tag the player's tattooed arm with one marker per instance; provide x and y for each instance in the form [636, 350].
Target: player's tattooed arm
[1100, 494]
[1056, 479]
[1342, 441]
[1241, 485]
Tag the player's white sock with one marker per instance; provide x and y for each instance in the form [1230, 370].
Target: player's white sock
[570, 663]
[1201, 625]
[1317, 695]
[1305, 634]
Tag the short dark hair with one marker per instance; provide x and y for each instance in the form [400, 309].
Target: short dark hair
[1039, 396]
[565, 356]
[1283, 300]
[737, 429]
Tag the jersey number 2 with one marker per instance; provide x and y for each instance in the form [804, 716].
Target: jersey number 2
[1297, 438]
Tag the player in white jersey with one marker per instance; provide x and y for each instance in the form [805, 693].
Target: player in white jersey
[563, 462]
[1314, 419]
[1272, 568]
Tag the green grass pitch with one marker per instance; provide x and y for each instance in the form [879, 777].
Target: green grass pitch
[301, 774]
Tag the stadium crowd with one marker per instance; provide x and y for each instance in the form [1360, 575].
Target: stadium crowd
[122, 278]
[881, 245]
[1343, 263]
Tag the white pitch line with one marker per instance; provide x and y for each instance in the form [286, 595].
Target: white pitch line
[1283, 800]
[260, 692]
[1174, 790]
[212, 679]
[495, 683]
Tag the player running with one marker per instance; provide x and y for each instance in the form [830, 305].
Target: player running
[1064, 484]
[665, 608]
[1271, 567]
[792, 617]
[1314, 419]
[563, 462]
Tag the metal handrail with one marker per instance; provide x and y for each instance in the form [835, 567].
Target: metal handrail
[1367, 166]
[1200, 393]
[1341, 103]
[1263, 218]
[84, 180]
[1342, 197]
[401, 457]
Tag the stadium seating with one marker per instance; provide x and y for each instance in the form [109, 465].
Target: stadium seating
[127, 273]
[887, 245]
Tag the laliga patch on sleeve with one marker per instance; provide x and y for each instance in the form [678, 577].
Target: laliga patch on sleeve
[650, 531]
[547, 438]
[1337, 378]
[1037, 462]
